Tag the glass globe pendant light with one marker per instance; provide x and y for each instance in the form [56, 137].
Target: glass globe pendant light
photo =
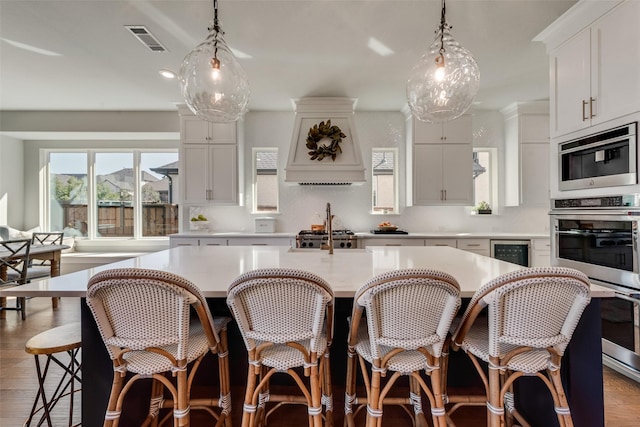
[214, 84]
[444, 82]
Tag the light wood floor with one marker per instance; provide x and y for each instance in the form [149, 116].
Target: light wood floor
[18, 384]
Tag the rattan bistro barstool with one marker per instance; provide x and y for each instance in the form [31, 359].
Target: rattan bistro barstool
[52, 344]
[145, 322]
[531, 316]
[408, 315]
[285, 317]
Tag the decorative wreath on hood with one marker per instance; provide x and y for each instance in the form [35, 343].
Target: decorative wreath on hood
[317, 133]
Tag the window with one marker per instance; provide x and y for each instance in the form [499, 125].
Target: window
[265, 180]
[129, 193]
[384, 182]
[485, 176]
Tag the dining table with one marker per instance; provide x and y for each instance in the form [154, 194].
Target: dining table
[49, 252]
[213, 268]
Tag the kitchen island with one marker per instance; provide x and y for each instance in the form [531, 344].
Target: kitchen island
[213, 268]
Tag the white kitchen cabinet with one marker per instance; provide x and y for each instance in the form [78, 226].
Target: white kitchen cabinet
[441, 242]
[458, 131]
[208, 161]
[595, 74]
[527, 154]
[393, 241]
[478, 246]
[194, 130]
[541, 256]
[440, 162]
[209, 173]
[260, 241]
[442, 174]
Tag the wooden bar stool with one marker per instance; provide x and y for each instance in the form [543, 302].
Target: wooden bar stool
[51, 343]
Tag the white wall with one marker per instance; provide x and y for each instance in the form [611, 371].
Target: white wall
[11, 182]
[300, 204]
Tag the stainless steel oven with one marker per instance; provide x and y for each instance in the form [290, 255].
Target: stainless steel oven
[604, 159]
[599, 236]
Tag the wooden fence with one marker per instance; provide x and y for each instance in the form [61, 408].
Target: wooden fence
[117, 221]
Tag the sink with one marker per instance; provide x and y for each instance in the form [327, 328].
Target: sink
[320, 251]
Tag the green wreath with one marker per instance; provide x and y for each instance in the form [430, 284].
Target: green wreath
[317, 133]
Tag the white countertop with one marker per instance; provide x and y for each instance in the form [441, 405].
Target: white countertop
[411, 235]
[213, 268]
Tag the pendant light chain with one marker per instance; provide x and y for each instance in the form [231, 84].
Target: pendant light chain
[443, 22]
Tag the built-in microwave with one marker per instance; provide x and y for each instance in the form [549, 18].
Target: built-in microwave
[604, 159]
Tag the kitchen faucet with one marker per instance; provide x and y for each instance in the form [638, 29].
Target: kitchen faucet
[329, 244]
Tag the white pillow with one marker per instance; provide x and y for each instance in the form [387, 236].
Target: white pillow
[17, 234]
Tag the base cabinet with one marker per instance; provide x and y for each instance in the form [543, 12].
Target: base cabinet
[541, 256]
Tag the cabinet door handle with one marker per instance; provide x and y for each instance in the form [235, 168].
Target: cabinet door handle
[584, 107]
[472, 244]
[441, 194]
[591, 101]
[445, 195]
[392, 244]
[209, 195]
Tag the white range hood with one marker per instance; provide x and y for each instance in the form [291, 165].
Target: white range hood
[348, 167]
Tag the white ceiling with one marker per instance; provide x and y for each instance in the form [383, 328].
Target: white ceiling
[89, 61]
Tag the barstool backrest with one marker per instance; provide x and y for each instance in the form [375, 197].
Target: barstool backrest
[534, 307]
[281, 305]
[139, 308]
[408, 309]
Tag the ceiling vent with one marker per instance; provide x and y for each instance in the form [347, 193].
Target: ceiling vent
[146, 38]
[347, 167]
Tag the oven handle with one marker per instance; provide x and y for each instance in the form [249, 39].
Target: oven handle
[634, 298]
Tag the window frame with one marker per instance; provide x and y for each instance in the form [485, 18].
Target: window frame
[254, 184]
[493, 179]
[92, 212]
[396, 203]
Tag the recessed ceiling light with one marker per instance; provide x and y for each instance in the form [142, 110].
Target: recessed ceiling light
[167, 74]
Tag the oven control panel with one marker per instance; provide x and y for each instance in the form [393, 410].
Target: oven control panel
[627, 201]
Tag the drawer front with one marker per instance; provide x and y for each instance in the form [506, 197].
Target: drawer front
[541, 244]
[260, 241]
[174, 242]
[473, 244]
[441, 242]
[213, 241]
[393, 242]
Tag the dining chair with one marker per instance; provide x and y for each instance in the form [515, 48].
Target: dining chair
[14, 260]
[144, 320]
[399, 323]
[42, 268]
[530, 317]
[285, 317]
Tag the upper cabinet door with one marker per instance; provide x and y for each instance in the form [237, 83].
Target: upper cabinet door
[194, 130]
[458, 131]
[570, 83]
[615, 76]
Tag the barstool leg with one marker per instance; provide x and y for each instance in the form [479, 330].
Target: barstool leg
[41, 393]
